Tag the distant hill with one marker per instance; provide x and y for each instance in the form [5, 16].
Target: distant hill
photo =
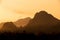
[22, 22]
[9, 27]
[43, 22]
[14, 26]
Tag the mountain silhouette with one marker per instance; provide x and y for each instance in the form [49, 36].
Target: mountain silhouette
[44, 19]
[22, 22]
[42, 22]
[9, 27]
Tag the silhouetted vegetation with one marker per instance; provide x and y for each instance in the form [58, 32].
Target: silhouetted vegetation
[24, 36]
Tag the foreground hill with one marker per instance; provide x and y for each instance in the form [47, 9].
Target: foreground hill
[9, 27]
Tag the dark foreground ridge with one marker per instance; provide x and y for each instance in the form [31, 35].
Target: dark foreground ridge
[24, 36]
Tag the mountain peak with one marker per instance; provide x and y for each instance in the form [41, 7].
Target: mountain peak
[44, 16]
[41, 13]
[44, 12]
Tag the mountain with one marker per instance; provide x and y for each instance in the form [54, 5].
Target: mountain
[43, 22]
[1, 24]
[9, 27]
[22, 22]
[44, 19]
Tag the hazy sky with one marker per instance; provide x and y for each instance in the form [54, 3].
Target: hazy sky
[11, 10]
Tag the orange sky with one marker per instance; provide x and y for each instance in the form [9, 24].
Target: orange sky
[11, 10]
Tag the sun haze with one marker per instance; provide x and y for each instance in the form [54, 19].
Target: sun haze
[12, 10]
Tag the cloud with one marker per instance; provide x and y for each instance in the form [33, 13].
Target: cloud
[0, 1]
[18, 11]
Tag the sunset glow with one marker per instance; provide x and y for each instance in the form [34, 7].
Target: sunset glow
[12, 10]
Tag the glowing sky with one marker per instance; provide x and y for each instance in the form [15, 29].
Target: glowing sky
[11, 10]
